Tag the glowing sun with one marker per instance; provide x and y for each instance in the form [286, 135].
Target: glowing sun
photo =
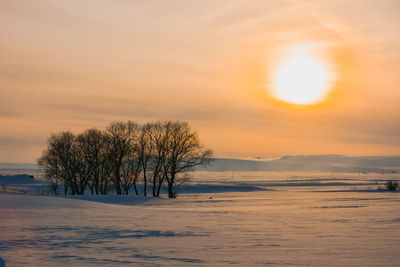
[301, 78]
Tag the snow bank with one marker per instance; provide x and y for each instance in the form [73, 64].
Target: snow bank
[22, 184]
[115, 199]
[17, 180]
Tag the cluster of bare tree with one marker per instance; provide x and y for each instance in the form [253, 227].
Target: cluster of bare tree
[122, 156]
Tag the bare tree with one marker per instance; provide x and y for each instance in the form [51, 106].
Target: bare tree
[105, 165]
[130, 172]
[52, 165]
[92, 146]
[184, 153]
[158, 135]
[122, 136]
[59, 161]
[131, 167]
[145, 152]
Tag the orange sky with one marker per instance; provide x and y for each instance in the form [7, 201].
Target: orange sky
[78, 64]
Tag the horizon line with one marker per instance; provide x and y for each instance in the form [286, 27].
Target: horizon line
[259, 159]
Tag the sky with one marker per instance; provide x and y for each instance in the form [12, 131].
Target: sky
[72, 65]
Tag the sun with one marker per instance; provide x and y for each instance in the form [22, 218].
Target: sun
[302, 78]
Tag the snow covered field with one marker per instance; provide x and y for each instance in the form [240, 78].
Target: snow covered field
[222, 218]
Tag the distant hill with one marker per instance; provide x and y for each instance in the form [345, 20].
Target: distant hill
[18, 166]
[322, 163]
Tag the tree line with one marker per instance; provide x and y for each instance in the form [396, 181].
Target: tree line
[122, 156]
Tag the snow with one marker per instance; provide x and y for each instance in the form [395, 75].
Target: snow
[17, 179]
[244, 219]
[22, 184]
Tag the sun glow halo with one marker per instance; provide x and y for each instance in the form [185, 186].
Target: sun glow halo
[302, 78]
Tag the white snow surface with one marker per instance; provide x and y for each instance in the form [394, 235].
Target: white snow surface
[220, 219]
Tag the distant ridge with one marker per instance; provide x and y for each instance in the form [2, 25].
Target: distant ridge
[18, 166]
[322, 163]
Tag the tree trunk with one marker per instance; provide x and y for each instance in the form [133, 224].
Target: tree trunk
[118, 188]
[103, 188]
[55, 188]
[97, 184]
[81, 191]
[155, 187]
[135, 188]
[144, 184]
[126, 190]
[73, 189]
[117, 180]
[160, 181]
[171, 193]
[170, 190]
